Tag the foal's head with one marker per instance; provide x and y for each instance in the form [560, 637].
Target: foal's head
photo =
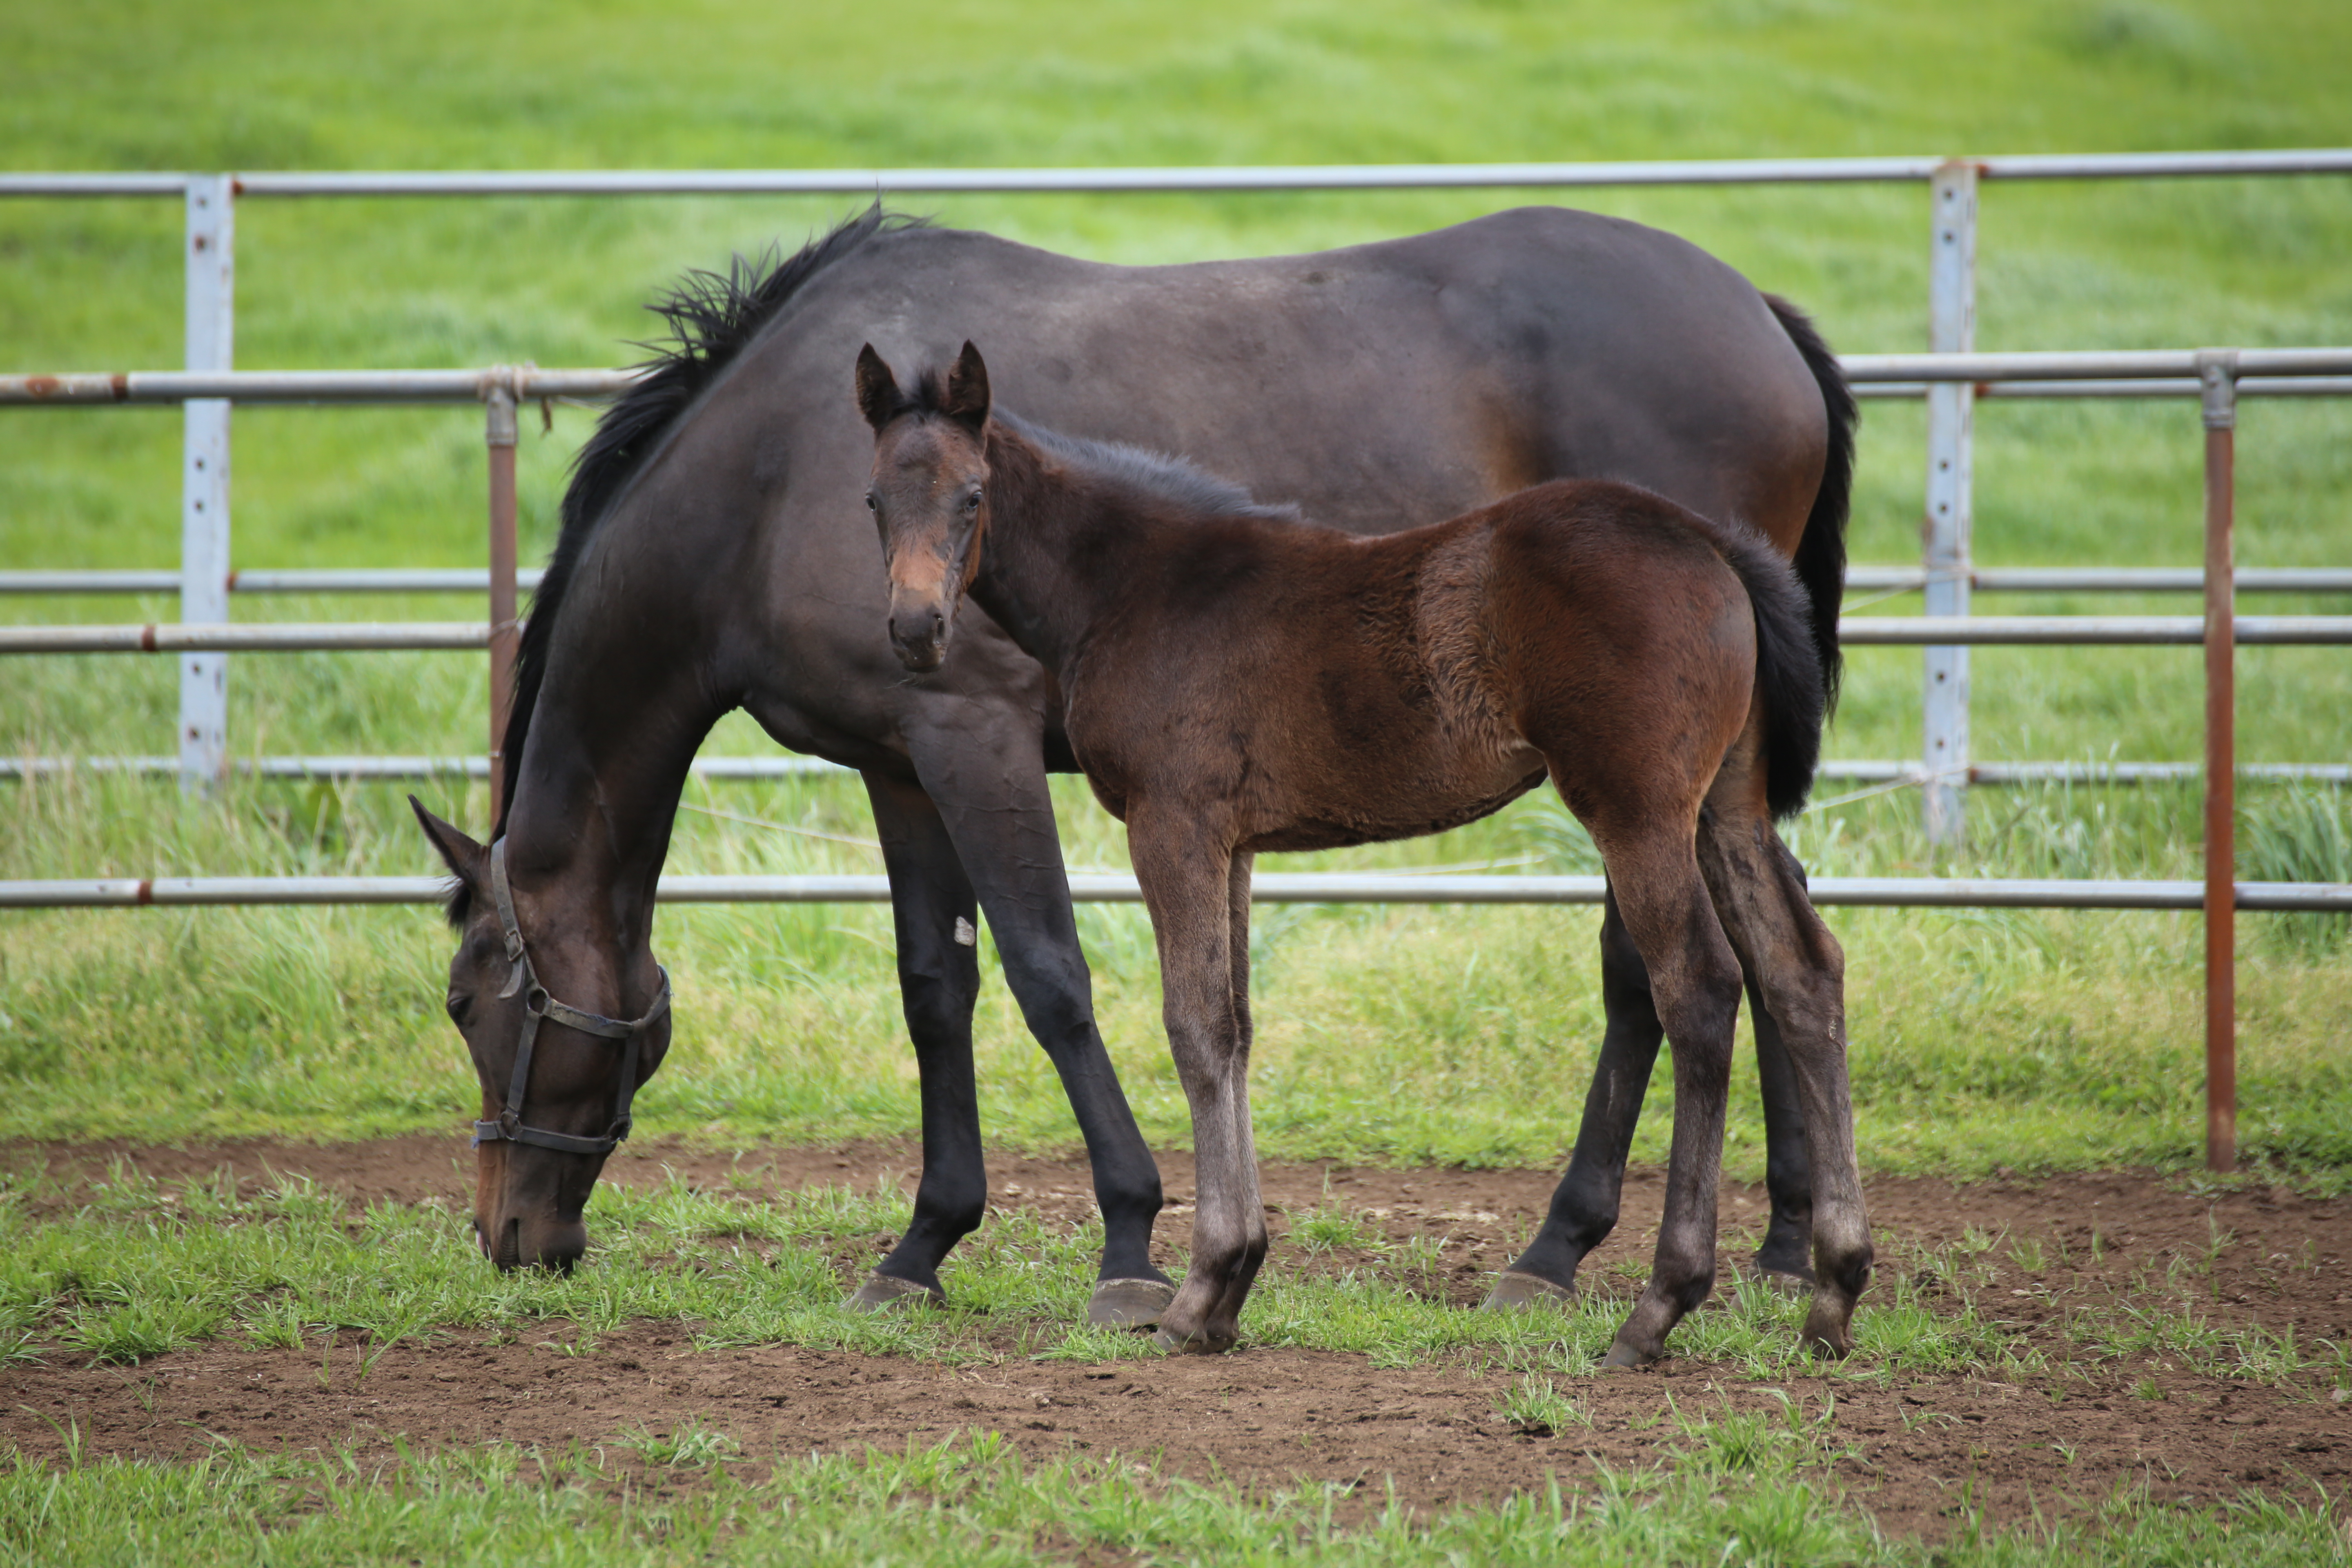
[928, 494]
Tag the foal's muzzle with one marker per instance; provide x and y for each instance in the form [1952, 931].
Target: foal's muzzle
[918, 635]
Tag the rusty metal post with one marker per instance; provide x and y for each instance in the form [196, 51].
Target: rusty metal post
[1948, 525]
[2217, 370]
[505, 635]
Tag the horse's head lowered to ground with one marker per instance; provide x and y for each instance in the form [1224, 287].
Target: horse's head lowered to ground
[557, 1079]
[928, 494]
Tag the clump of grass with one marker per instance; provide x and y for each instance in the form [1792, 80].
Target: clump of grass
[1537, 1407]
[687, 1442]
[1330, 1225]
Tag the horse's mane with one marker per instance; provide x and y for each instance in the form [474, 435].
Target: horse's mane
[711, 317]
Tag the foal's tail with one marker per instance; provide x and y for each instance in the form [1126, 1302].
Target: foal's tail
[1790, 679]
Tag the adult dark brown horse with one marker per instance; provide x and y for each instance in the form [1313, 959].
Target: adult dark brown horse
[1233, 682]
[714, 554]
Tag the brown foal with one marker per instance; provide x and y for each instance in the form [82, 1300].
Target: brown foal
[1235, 681]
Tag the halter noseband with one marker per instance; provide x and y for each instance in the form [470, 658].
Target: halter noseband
[537, 1005]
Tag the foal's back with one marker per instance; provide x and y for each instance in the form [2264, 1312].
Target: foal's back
[1334, 690]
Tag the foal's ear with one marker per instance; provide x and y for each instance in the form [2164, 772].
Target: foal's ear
[878, 389]
[460, 853]
[967, 399]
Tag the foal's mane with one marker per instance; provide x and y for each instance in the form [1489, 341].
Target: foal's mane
[711, 317]
[1178, 482]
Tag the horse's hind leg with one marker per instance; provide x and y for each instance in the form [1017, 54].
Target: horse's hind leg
[1784, 1256]
[1797, 966]
[1584, 1205]
[1695, 982]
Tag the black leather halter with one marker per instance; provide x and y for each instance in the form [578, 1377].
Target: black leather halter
[537, 1005]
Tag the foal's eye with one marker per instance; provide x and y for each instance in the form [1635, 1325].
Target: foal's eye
[869, 502]
[971, 501]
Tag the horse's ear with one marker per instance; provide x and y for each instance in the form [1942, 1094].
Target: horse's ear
[878, 389]
[460, 854]
[967, 398]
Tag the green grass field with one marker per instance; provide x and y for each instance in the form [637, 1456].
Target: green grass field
[1981, 1041]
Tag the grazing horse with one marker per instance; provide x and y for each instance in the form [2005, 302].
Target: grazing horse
[713, 555]
[1233, 682]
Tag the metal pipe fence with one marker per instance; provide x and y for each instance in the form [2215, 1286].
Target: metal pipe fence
[1854, 631]
[1270, 888]
[1951, 378]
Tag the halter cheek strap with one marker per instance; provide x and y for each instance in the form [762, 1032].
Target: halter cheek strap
[538, 1005]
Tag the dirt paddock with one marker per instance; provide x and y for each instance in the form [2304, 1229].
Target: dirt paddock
[1919, 1451]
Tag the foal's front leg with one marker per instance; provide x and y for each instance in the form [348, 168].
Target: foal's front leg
[1198, 892]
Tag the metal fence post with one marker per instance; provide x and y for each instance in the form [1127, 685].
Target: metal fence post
[1948, 525]
[2217, 371]
[204, 480]
[505, 635]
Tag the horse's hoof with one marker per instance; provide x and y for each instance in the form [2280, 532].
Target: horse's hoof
[1190, 1344]
[1623, 1357]
[1516, 1293]
[882, 1291]
[1128, 1303]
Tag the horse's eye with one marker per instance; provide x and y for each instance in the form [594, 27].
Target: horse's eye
[971, 501]
[458, 1005]
[869, 502]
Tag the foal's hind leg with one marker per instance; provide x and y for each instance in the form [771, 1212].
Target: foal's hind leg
[1797, 966]
[1694, 980]
[1584, 1207]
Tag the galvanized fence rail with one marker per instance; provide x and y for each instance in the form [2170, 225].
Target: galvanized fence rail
[1951, 377]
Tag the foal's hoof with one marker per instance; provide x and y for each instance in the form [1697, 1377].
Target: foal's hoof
[1128, 1303]
[1192, 1344]
[1516, 1293]
[1827, 1334]
[882, 1291]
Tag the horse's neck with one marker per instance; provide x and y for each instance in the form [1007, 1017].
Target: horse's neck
[614, 729]
[1060, 544]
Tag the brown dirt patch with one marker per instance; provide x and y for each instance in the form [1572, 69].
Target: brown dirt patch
[2057, 1246]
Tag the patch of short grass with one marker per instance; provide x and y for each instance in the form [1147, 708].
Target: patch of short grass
[1748, 1489]
[141, 1268]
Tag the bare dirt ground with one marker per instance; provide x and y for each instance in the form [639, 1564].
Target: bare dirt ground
[1920, 1450]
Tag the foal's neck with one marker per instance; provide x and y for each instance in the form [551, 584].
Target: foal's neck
[1063, 543]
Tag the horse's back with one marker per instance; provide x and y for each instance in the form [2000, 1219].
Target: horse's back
[1379, 386]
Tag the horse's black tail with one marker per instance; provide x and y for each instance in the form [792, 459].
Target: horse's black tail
[1821, 553]
[1789, 673]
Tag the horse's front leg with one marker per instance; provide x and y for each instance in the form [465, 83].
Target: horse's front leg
[1198, 893]
[938, 979]
[988, 780]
